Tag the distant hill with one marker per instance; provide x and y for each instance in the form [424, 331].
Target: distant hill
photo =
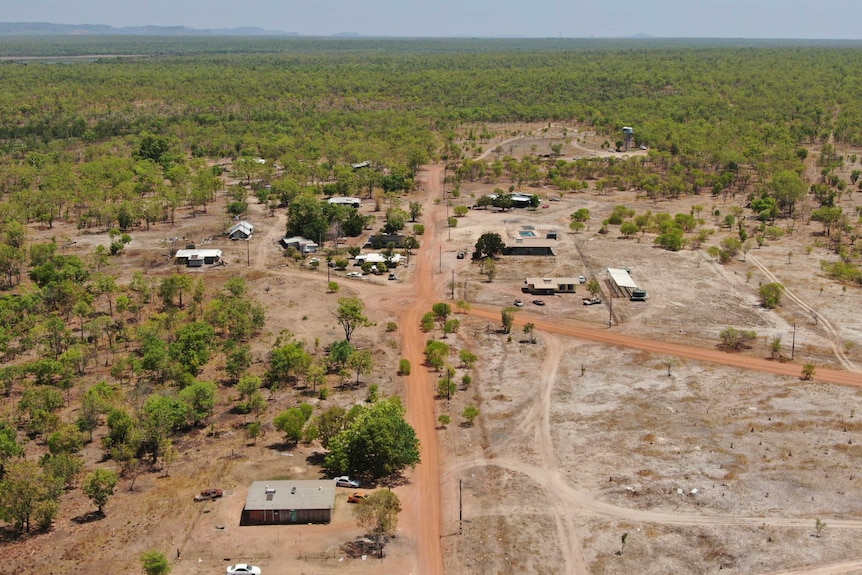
[48, 29]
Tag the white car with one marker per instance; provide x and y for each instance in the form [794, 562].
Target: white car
[345, 481]
[243, 569]
[354, 274]
[582, 279]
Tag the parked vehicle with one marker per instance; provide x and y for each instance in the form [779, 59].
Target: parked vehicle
[582, 279]
[461, 255]
[638, 295]
[208, 494]
[354, 274]
[345, 481]
[592, 301]
[538, 302]
[356, 497]
[393, 277]
[243, 569]
[519, 303]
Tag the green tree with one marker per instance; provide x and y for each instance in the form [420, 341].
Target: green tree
[378, 515]
[808, 371]
[350, 315]
[507, 316]
[378, 442]
[489, 268]
[770, 294]
[416, 210]
[734, 339]
[340, 352]
[24, 491]
[330, 423]
[199, 398]
[155, 563]
[594, 287]
[361, 362]
[287, 361]
[441, 312]
[99, 486]
[292, 421]
[489, 245]
[467, 357]
[469, 414]
[436, 353]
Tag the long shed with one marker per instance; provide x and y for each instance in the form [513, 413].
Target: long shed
[289, 502]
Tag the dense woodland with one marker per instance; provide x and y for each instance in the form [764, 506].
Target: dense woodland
[117, 144]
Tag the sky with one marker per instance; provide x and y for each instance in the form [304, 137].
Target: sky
[797, 19]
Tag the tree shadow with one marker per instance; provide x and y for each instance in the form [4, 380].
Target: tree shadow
[88, 517]
[356, 549]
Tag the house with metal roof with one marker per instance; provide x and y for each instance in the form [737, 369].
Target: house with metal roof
[289, 502]
[195, 258]
[299, 243]
[550, 286]
[240, 231]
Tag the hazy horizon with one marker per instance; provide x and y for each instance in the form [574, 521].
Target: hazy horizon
[754, 19]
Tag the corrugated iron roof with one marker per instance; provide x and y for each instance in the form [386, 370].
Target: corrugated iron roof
[292, 494]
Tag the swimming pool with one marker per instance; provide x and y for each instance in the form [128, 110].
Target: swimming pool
[527, 234]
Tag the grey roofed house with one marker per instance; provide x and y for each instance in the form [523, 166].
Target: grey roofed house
[240, 231]
[299, 243]
[195, 258]
[621, 281]
[289, 501]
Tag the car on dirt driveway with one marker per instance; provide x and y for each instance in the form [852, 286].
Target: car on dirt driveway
[592, 301]
[345, 481]
[356, 497]
[538, 302]
[518, 303]
[243, 569]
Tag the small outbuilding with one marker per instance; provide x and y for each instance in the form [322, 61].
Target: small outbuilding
[240, 231]
[551, 286]
[195, 258]
[376, 258]
[289, 502]
[621, 281]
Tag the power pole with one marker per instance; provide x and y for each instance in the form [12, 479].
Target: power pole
[793, 345]
[453, 283]
[247, 252]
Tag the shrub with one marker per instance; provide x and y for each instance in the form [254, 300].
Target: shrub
[404, 367]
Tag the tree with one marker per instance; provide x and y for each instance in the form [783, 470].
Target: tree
[436, 353]
[340, 352]
[489, 245]
[415, 210]
[155, 563]
[362, 362]
[490, 269]
[469, 414]
[378, 514]
[291, 422]
[508, 319]
[441, 312]
[734, 339]
[287, 361]
[594, 287]
[808, 370]
[529, 329]
[377, 442]
[9, 446]
[467, 357]
[451, 326]
[199, 398]
[775, 346]
[350, 315]
[770, 294]
[25, 491]
[330, 423]
[99, 486]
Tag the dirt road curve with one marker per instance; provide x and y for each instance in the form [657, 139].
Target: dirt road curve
[614, 337]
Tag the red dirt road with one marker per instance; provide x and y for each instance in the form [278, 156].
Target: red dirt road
[613, 337]
[423, 496]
